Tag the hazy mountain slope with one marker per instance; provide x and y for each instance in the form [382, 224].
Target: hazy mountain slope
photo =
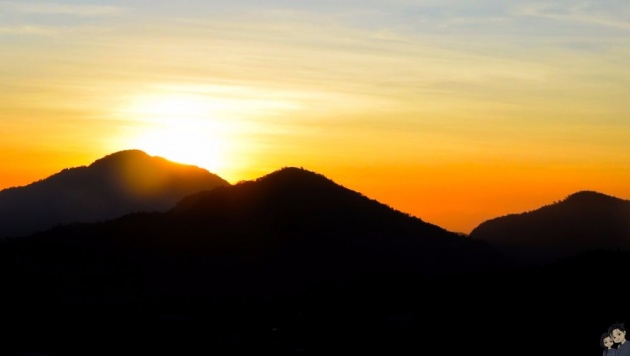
[583, 221]
[118, 184]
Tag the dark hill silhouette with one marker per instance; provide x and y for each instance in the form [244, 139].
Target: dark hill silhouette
[307, 216]
[289, 224]
[257, 251]
[583, 221]
[292, 263]
[120, 183]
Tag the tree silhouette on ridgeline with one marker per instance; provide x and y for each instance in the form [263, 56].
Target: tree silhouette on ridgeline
[120, 183]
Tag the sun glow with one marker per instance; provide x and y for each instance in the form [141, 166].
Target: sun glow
[185, 128]
[191, 145]
[217, 127]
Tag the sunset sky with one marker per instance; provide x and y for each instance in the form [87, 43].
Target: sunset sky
[453, 111]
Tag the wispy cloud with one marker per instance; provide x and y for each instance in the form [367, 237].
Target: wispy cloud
[28, 30]
[583, 12]
[61, 9]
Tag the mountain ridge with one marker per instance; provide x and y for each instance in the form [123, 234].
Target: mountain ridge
[285, 178]
[289, 260]
[584, 220]
[288, 223]
[314, 192]
[119, 183]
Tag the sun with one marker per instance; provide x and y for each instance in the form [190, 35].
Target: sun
[223, 128]
[190, 145]
[185, 128]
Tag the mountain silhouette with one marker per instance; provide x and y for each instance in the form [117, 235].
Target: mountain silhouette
[289, 229]
[292, 262]
[292, 223]
[583, 221]
[117, 184]
[310, 220]
[256, 251]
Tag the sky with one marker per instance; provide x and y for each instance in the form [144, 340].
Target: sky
[452, 111]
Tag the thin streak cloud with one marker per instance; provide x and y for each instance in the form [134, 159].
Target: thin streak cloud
[28, 30]
[584, 13]
[61, 9]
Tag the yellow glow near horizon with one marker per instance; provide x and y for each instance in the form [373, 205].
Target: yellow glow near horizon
[211, 126]
[450, 112]
[188, 145]
[182, 128]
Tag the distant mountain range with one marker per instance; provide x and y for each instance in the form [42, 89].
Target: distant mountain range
[583, 221]
[120, 183]
[132, 181]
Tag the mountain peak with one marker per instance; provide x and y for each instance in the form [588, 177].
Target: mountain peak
[294, 170]
[126, 155]
[293, 175]
[588, 196]
[289, 186]
[585, 220]
[120, 183]
[133, 157]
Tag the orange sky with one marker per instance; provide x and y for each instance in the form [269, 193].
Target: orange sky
[452, 113]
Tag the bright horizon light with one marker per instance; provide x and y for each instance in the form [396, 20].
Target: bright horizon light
[183, 145]
[452, 111]
[185, 128]
[202, 125]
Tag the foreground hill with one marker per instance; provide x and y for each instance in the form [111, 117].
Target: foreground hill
[298, 213]
[227, 263]
[290, 226]
[120, 183]
[292, 263]
[583, 221]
